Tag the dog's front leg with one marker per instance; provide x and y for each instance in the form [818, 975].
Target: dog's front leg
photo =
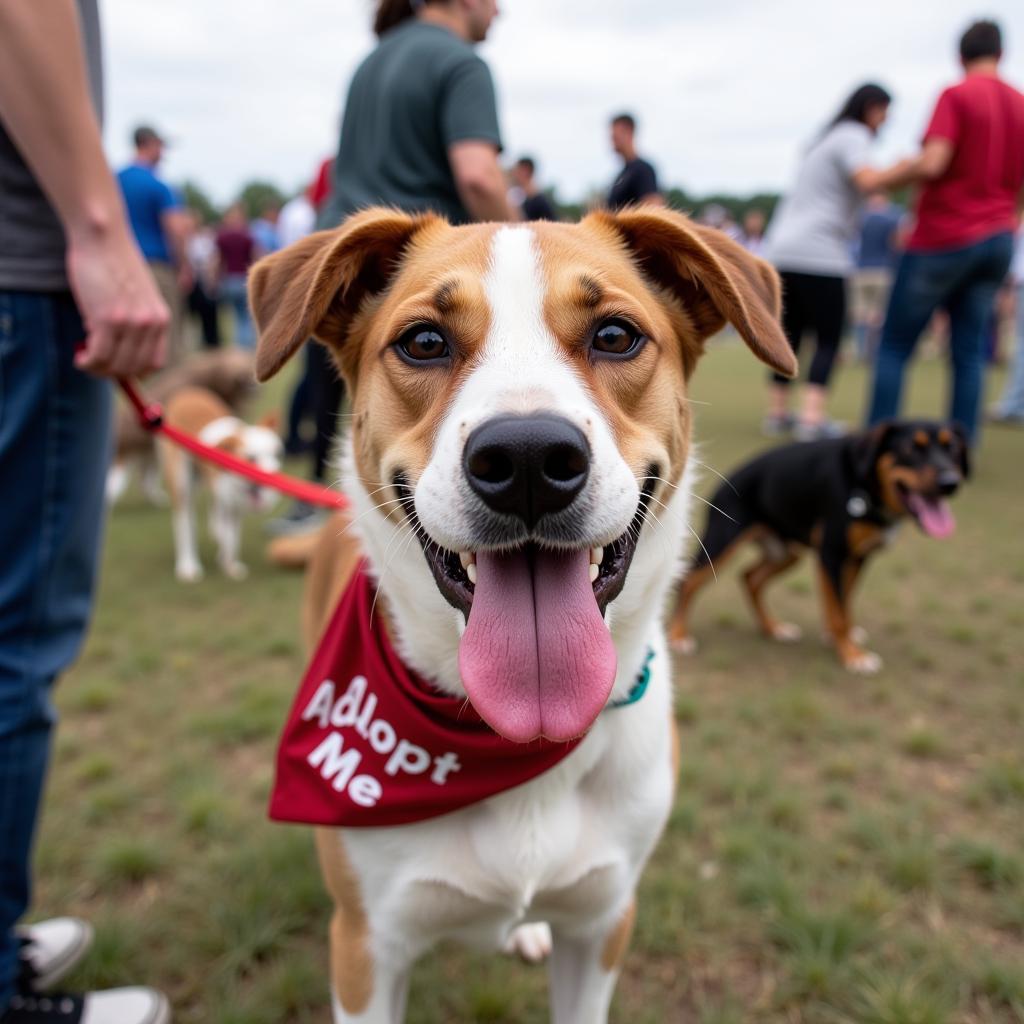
[226, 527]
[369, 979]
[186, 564]
[385, 1004]
[584, 970]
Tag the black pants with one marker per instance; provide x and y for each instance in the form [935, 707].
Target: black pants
[326, 391]
[814, 302]
[205, 308]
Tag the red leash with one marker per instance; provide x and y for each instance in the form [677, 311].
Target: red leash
[151, 417]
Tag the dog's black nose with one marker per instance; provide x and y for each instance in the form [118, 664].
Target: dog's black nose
[948, 482]
[527, 466]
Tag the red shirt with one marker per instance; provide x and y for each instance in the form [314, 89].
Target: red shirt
[977, 196]
[319, 192]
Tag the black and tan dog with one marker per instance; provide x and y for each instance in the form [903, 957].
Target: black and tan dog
[841, 498]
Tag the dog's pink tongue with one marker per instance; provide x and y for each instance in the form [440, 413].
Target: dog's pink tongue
[536, 657]
[935, 517]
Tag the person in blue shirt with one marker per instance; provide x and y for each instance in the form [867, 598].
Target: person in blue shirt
[160, 224]
[264, 230]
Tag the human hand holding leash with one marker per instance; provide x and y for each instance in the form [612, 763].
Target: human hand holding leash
[125, 318]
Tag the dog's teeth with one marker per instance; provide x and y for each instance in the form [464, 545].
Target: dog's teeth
[471, 572]
[467, 558]
[594, 570]
[596, 556]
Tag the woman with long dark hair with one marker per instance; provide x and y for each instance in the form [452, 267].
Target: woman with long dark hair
[810, 243]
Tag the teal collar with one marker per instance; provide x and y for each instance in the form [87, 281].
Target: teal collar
[639, 687]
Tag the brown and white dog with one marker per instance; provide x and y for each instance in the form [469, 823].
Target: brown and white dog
[228, 373]
[204, 415]
[517, 458]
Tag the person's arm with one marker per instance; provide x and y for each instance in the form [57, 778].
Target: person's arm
[45, 106]
[468, 119]
[931, 163]
[937, 149]
[480, 180]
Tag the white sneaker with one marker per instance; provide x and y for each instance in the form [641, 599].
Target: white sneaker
[115, 1006]
[126, 1006]
[50, 949]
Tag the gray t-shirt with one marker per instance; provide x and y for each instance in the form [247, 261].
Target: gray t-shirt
[816, 224]
[31, 238]
[420, 90]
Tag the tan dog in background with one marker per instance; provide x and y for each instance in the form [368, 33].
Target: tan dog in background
[203, 414]
[227, 373]
[519, 412]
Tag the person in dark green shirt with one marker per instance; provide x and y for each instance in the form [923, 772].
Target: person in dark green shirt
[420, 132]
[420, 129]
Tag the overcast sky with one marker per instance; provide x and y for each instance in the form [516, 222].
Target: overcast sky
[726, 92]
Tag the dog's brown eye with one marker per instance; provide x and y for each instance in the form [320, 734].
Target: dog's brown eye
[617, 339]
[423, 345]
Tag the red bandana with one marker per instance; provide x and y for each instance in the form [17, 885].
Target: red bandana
[368, 743]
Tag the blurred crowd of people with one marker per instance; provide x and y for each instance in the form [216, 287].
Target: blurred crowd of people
[838, 237]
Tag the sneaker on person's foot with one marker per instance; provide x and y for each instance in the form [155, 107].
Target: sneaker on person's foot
[300, 518]
[1006, 418]
[822, 431]
[114, 1006]
[49, 949]
[777, 426]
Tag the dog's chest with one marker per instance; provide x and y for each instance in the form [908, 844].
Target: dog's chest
[566, 844]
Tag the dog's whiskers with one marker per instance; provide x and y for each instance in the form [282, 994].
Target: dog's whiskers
[724, 479]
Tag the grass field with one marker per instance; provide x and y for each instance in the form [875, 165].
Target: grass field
[842, 849]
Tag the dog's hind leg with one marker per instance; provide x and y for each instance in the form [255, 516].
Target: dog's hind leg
[777, 559]
[584, 971]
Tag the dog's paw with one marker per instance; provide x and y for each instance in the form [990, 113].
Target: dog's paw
[189, 572]
[530, 941]
[863, 663]
[786, 632]
[685, 645]
[236, 570]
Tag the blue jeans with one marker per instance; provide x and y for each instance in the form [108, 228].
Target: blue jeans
[54, 450]
[233, 291]
[1012, 401]
[964, 282]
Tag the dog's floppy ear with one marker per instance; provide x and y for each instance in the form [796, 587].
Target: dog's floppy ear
[868, 446]
[715, 278]
[315, 287]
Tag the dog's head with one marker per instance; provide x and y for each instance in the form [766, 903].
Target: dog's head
[260, 445]
[519, 414]
[914, 466]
